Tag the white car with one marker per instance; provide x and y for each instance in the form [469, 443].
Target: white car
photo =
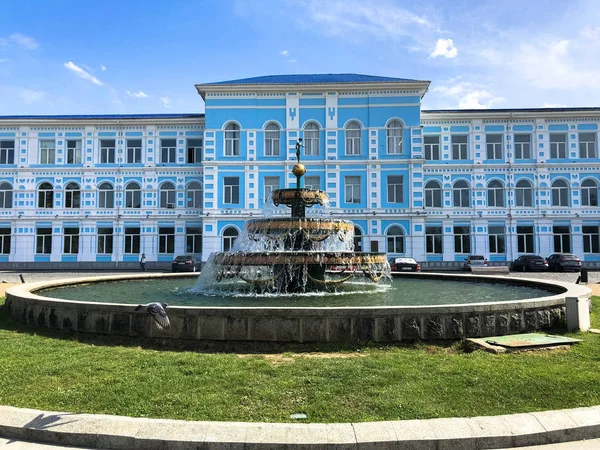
[475, 261]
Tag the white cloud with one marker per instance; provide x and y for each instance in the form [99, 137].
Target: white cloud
[284, 52]
[138, 94]
[478, 100]
[554, 105]
[24, 41]
[467, 95]
[166, 102]
[591, 32]
[103, 68]
[82, 73]
[444, 47]
[31, 96]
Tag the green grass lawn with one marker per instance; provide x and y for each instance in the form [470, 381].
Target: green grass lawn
[67, 372]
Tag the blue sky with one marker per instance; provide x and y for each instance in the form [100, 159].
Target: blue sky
[129, 56]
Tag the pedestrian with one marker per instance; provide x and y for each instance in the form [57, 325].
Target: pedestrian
[143, 262]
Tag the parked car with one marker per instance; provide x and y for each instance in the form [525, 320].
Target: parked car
[525, 263]
[185, 263]
[475, 261]
[404, 264]
[563, 261]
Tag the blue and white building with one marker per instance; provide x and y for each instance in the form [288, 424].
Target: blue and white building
[435, 185]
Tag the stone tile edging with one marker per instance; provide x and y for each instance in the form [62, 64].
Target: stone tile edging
[128, 433]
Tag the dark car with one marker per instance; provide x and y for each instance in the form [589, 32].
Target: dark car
[404, 264]
[563, 261]
[529, 263]
[185, 263]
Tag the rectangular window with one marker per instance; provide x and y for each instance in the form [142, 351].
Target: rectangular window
[73, 152]
[71, 241]
[591, 239]
[232, 141]
[494, 146]
[562, 239]
[194, 151]
[107, 151]
[395, 189]
[105, 240]
[432, 148]
[134, 151]
[231, 190]
[5, 241]
[43, 241]
[433, 239]
[193, 240]
[312, 182]
[459, 147]
[558, 146]
[352, 189]
[168, 151]
[462, 239]
[132, 240]
[497, 239]
[353, 141]
[522, 146]
[311, 141]
[271, 184]
[7, 152]
[166, 240]
[47, 152]
[525, 239]
[587, 145]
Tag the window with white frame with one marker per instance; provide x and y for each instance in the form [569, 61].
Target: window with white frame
[167, 195]
[395, 134]
[395, 189]
[43, 241]
[132, 241]
[523, 146]
[72, 196]
[560, 193]
[433, 194]
[272, 139]
[166, 240]
[106, 196]
[395, 240]
[432, 148]
[462, 239]
[562, 239]
[494, 146]
[357, 239]
[71, 240]
[461, 194]
[194, 196]
[495, 194]
[5, 241]
[6, 195]
[193, 239]
[105, 241]
[352, 189]
[270, 184]
[168, 151]
[45, 196]
[7, 152]
[134, 151]
[558, 146]
[460, 146]
[230, 234]
[497, 239]
[312, 182]
[231, 190]
[73, 152]
[232, 140]
[194, 151]
[433, 239]
[524, 193]
[353, 132]
[311, 139]
[591, 239]
[587, 145]
[589, 193]
[133, 195]
[107, 151]
[47, 152]
[525, 243]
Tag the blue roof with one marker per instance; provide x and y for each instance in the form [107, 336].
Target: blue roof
[324, 78]
[106, 117]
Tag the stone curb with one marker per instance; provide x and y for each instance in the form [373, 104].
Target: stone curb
[127, 433]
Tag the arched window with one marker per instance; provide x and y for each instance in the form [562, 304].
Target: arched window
[6, 195]
[395, 133]
[72, 196]
[193, 196]
[45, 196]
[461, 194]
[589, 193]
[524, 193]
[395, 240]
[229, 236]
[353, 138]
[560, 193]
[311, 139]
[357, 240]
[495, 194]
[272, 138]
[232, 140]
[106, 196]
[433, 194]
[133, 195]
[167, 195]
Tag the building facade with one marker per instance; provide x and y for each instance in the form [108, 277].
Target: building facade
[435, 185]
